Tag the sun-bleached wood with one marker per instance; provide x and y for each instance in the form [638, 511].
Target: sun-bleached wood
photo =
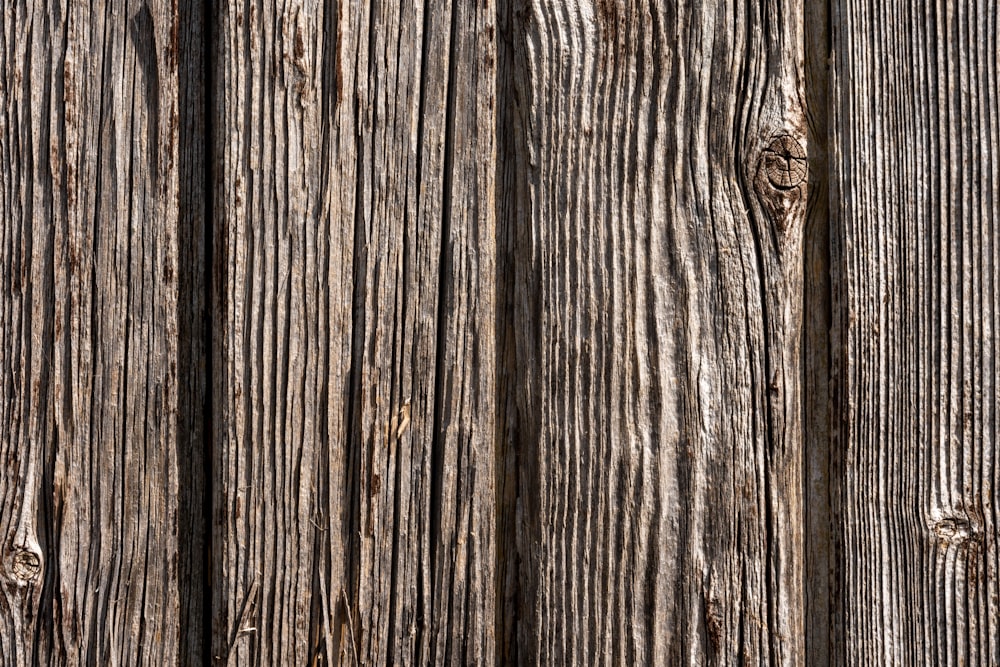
[654, 188]
[514, 345]
[96, 412]
[915, 204]
[353, 345]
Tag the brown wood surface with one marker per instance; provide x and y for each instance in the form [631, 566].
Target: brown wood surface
[555, 332]
[915, 204]
[656, 329]
[98, 540]
[353, 317]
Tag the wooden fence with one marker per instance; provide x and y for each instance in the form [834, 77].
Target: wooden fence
[558, 332]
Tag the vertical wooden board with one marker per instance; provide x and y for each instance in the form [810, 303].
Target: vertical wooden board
[463, 540]
[654, 188]
[91, 431]
[916, 201]
[354, 348]
[424, 393]
[280, 336]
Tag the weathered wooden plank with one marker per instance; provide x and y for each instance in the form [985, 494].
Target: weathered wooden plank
[916, 201]
[353, 348]
[93, 424]
[654, 197]
[280, 335]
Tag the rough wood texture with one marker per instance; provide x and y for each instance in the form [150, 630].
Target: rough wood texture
[92, 425]
[354, 383]
[916, 144]
[656, 186]
[440, 332]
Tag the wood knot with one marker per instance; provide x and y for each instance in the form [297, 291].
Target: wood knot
[26, 565]
[956, 530]
[784, 162]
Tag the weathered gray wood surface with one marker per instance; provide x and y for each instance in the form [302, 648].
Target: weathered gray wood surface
[657, 322]
[97, 543]
[353, 317]
[915, 204]
[440, 332]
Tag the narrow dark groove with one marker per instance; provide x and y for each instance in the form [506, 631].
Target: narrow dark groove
[118, 484]
[816, 346]
[324, 630]
[502, 317]
[208, 59]
[422, 603]
[108, 144]
[50, 514]
[352, 569]
[510, 149]
[444, 279]
[395, 402]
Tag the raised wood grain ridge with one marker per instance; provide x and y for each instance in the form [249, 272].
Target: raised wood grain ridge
[915, 205]
[97, 363]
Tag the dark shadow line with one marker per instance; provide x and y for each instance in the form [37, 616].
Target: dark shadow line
[209, 63]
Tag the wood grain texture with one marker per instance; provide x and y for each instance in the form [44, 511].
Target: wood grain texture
[654, 222]
[92, 423]
[916, 200]
[435, 332]
[353, 345]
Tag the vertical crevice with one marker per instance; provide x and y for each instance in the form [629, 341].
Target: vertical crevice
[47, 640]
[326, 603]
[505, 613]
[353, 409]
[438, 442]
[192, 373]
[208, 65]
[395, 403]
[424, 608]
[816, 378]
[516, 320]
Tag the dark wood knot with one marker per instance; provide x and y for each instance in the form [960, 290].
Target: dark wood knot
[784, 162]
